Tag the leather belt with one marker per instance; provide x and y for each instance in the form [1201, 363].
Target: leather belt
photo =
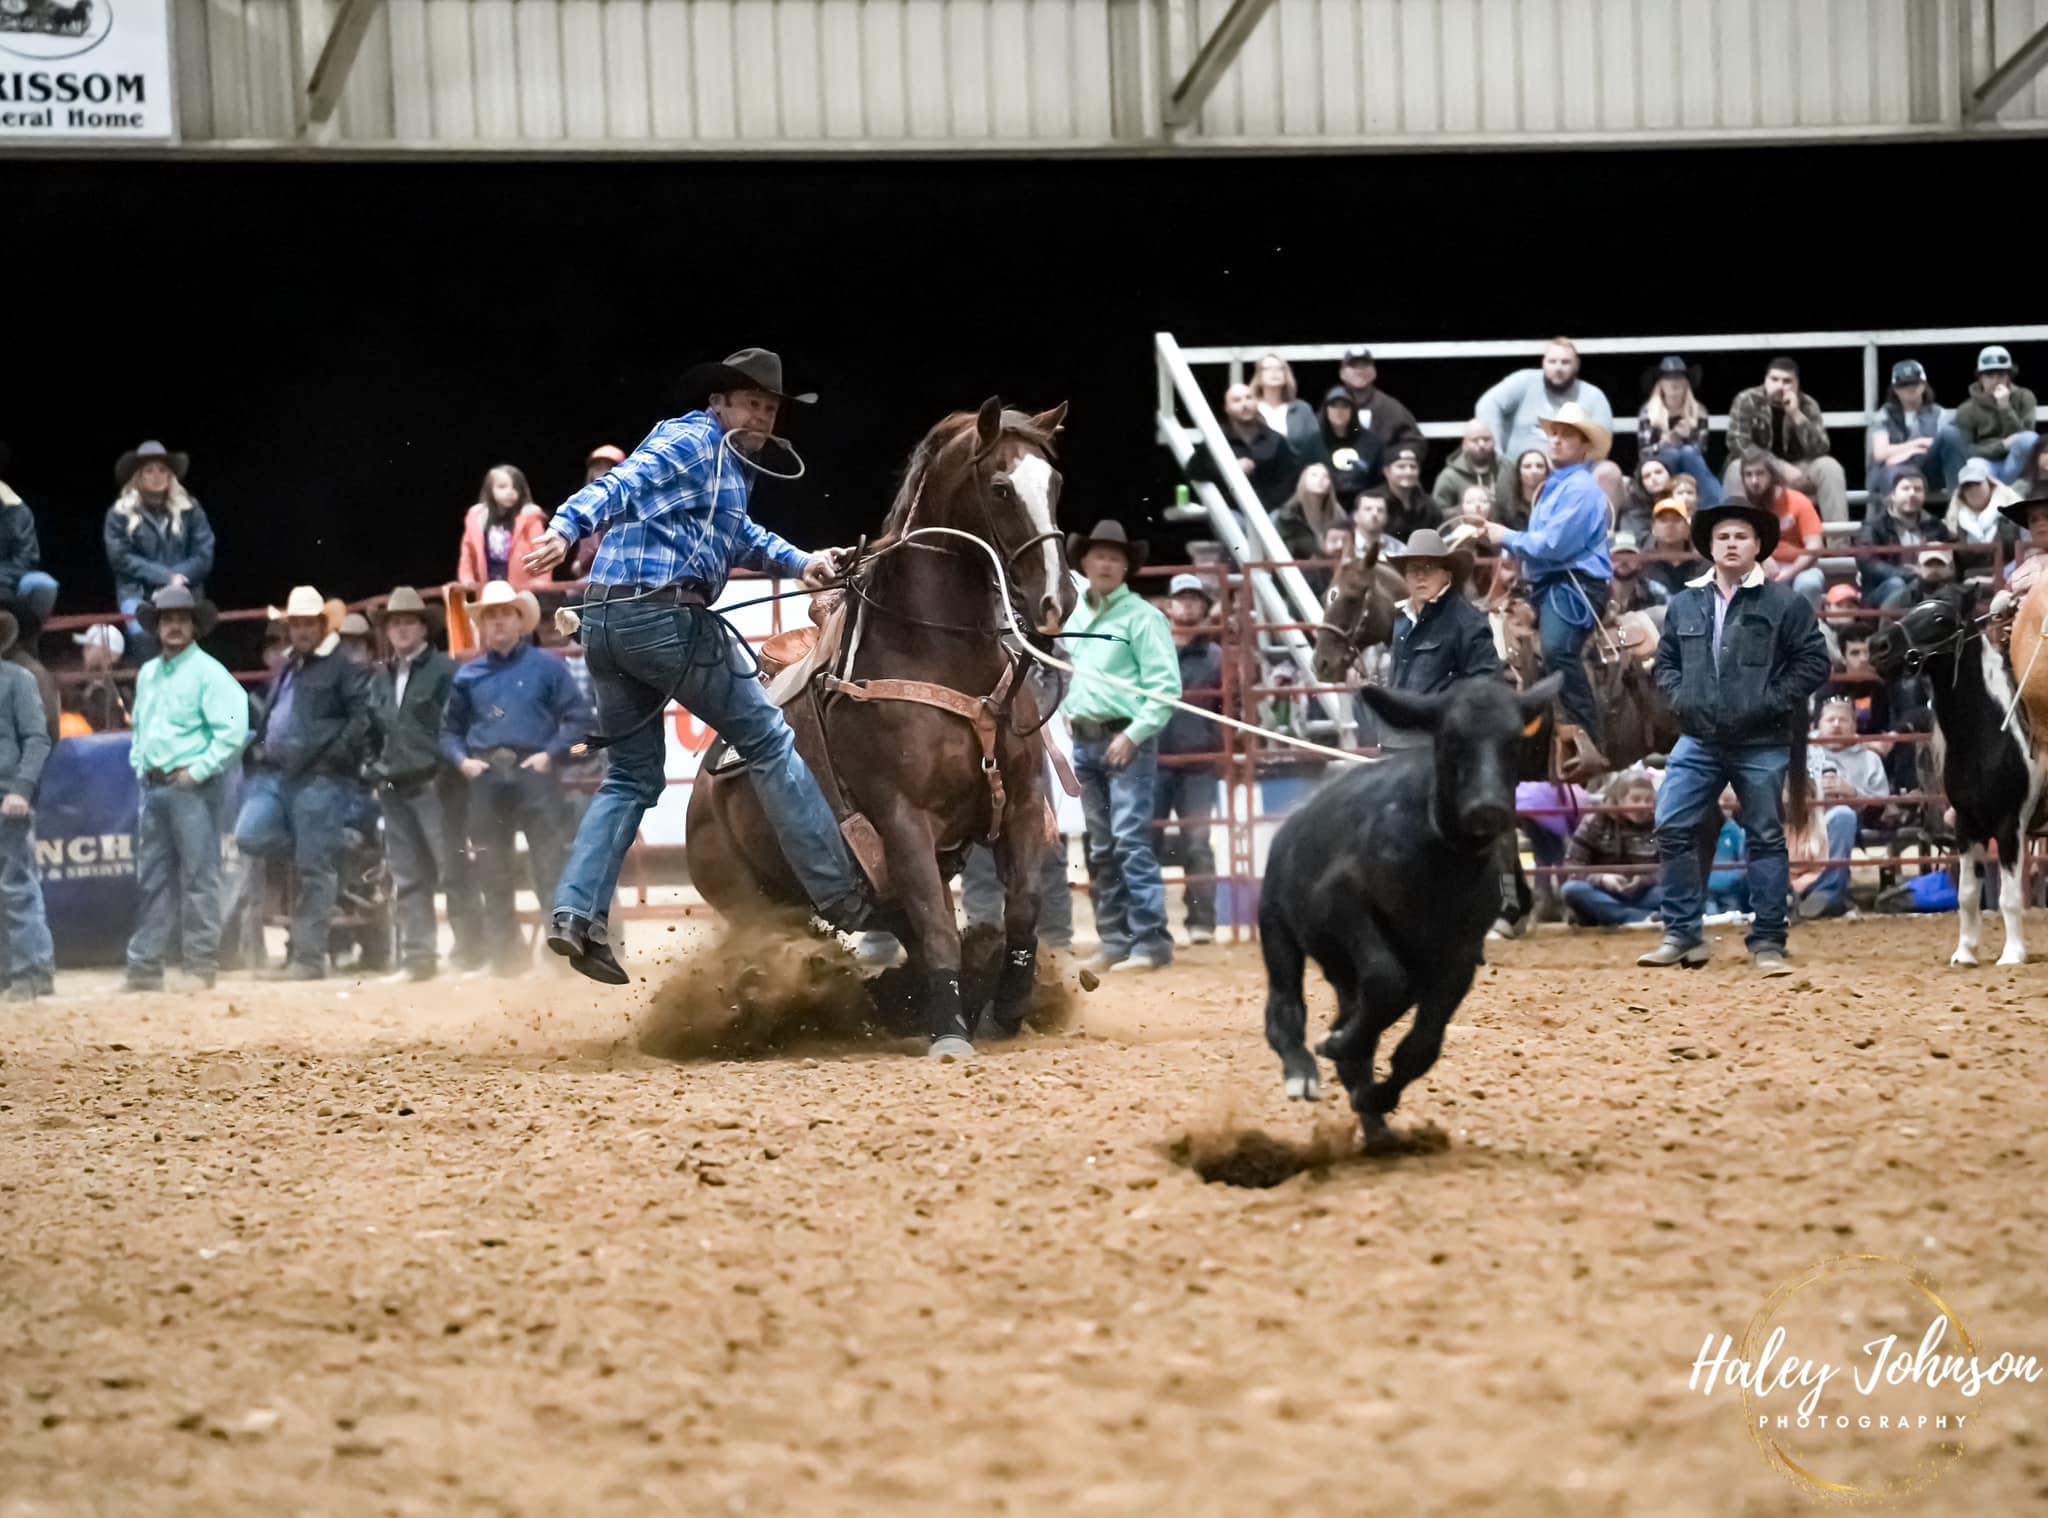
[683, 593]
[1091, 731]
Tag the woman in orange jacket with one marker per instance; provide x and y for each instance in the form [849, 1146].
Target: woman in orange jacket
[501, 529]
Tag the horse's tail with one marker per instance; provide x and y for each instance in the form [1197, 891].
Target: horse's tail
[1799, 784]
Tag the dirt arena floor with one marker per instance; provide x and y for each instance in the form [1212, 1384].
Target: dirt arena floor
[345, 1248]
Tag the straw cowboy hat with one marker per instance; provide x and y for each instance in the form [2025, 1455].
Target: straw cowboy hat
[305, 601]
[1427, 547]
[354, 625]
[404, 601]
[498, 593]
[1112, 533]
[1572, 417]
[1709, 517]
[151, 452]
[748, 369]
[177, 598]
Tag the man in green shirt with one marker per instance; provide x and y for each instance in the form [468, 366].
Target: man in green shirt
[191, 722]
[1116, 749]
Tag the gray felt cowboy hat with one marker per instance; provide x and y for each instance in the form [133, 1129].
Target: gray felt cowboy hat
[151, 452]
[1428, 547]
[748, 369]
[177, 598]
[1112, 533]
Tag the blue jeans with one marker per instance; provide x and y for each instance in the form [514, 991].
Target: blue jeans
[1123, 871]
[36, 593]
[30, 956]
[2007, 470]
[1832, 889]
[503, 805]
[426, 848]
[1693, 780]
[638, 655]
[981, 893]
[1686, 458]
[301, 816]
[1562, 643]
[177, 879]
[1603, 909]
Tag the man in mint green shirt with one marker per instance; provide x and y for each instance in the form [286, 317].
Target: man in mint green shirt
[191, 723]
[1116, 747]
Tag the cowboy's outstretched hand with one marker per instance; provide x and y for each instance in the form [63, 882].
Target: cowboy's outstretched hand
[1494, 532]
[547, 553]
[825, 566]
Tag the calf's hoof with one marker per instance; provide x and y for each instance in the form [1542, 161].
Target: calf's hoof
[951, 1050]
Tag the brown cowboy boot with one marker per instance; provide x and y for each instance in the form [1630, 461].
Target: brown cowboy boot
[1578, 757]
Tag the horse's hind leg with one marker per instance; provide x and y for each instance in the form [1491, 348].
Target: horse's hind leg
[934, 935]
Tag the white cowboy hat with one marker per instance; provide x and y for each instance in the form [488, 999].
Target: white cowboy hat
[305, 601]
[499, 593]
[1571, 415]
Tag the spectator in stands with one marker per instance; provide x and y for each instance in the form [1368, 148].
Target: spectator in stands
[358, 640]
[155, 533]
[1347, 450]
[1378, 412]
[1996, 421]
[1788, 424]
[1531, 469]
[1478, 461]
[1310, 512]
[1858, 681]
[16, 649]
[1565, 559]
[501, 529]
[424, 801]
[1898, 522]
[1907, 431]
[1796, 560]
[1409, 509]
[1739, 659]
[310, 737]
[1477, 501]
[1973, 511]
[1672, 426]
[1369, 527]
[1671, 533]
[191, 723]
[1821, 890]
[2033, 475]
[25, 744]
[22, 581]
[1858, 768]
[1615, 898]
[1187, 791]
[1519, 405]
[1116, 748]
[2032, 561]
[1935, 571]
[99, 699]
[1650, 484]
[601, 461]
[1440, 637]
[1262, 454]
[512, 716]
[1282, 409]
[1632, 589]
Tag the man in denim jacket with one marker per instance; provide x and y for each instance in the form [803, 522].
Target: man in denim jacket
[1740, 657]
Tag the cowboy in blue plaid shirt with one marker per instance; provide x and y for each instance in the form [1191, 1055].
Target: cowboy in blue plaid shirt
[675, 523]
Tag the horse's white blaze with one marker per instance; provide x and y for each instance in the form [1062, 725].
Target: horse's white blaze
[1032, 479]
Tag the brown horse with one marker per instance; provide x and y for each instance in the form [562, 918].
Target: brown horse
[924, 723]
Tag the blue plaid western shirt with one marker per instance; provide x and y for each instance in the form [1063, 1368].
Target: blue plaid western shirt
[676, 509]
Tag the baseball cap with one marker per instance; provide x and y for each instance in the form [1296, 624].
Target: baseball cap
[102, 635]
[1907, 371]
[1405, 450]
[1338, 393]
[1358, 353]
[1187, 584]
[1974, 472]
[1671, 505]
[1993, 356]
[1624, 542]
[1937, 555]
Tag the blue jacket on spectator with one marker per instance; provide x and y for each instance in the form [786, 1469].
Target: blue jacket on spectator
[1201, 668]
[1567, 529]
[526, 701]
[145, 548]
[1772, 659]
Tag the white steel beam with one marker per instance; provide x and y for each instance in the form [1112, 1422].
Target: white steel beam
[337, 57]
[1213, 61]
[2008, 79]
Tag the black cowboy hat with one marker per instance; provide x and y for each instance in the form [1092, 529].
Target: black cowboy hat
[1765, 523]
[1112, 533]
[1672, 364]
[177, 598]
[151, 452]
[2016, 512]
[748, 369]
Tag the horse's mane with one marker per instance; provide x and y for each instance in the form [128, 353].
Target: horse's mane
[946, 434]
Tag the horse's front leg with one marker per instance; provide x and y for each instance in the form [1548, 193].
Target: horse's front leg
[1020, 860]
[935, 936]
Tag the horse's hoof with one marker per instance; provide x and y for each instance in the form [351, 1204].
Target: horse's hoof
[1964, 958]
[951, 1050]
[2013, 956]
[1303, 1088]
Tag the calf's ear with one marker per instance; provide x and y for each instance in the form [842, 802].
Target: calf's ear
[1537, 698]
[1404, 709]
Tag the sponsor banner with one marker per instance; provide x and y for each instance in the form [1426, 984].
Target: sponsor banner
[85, 849]
[85, 70]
